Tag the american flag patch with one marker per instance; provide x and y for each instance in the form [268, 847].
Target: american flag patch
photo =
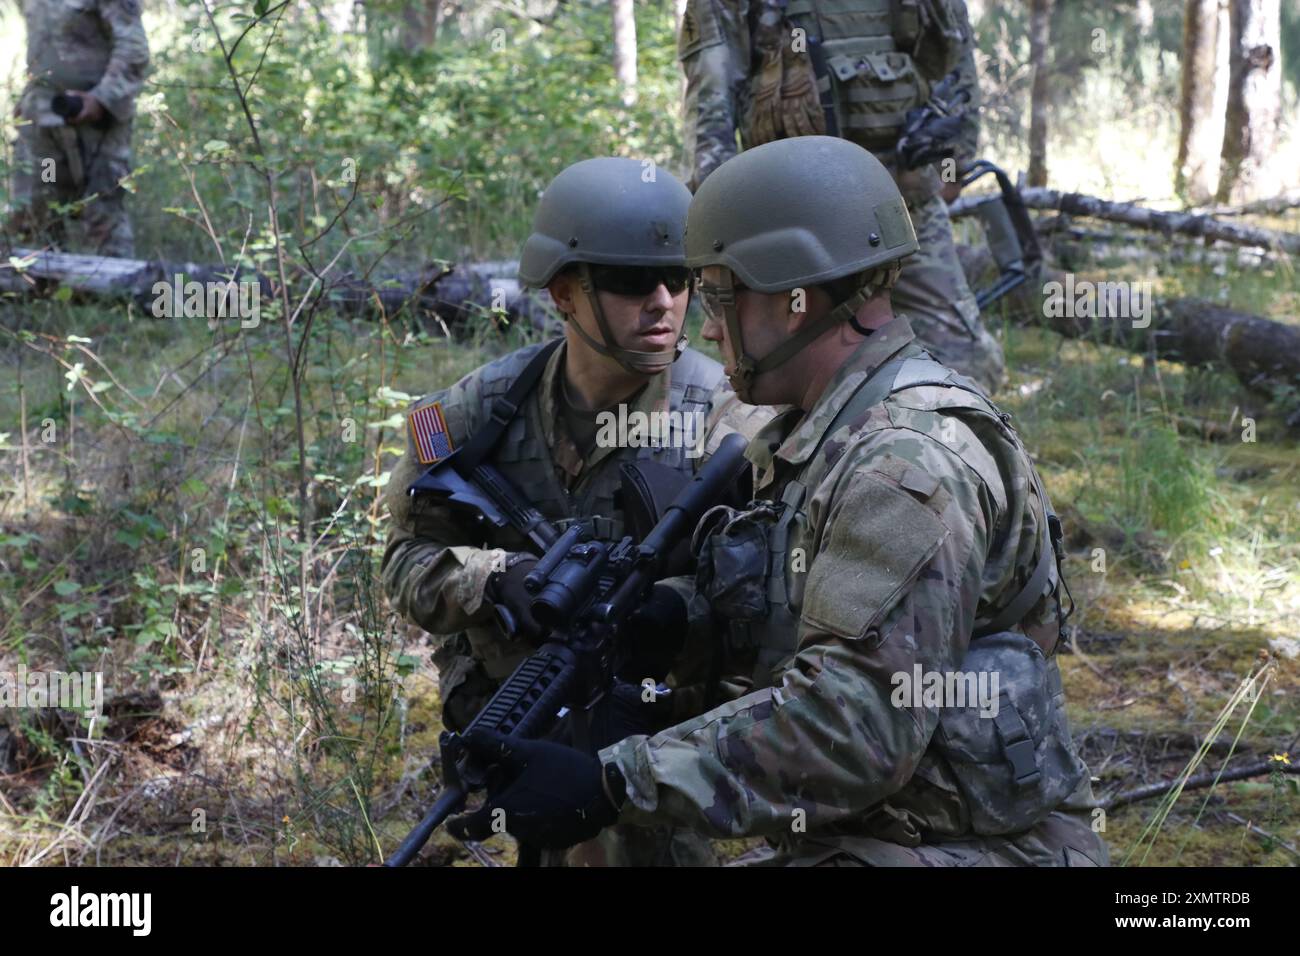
[429, 432]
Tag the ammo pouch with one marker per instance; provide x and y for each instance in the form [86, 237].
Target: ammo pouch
[1015, 768]
[868, 48]
[742, 570]
[874, 91]
[732, 559]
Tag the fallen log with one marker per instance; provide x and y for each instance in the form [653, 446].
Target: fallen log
[1260, 207]
[1168, 223]
[453, 295]
[1257, 350]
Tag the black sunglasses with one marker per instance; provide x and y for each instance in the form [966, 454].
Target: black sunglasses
[640, 281]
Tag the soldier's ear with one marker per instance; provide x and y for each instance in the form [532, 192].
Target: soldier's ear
[563, 287]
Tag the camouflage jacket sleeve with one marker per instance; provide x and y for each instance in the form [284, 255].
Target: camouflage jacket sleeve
[430, 575]
[124, 76]
[827, 743]
[967, 143]
[713, 46]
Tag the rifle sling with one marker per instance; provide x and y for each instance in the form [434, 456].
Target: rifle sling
[504, 409]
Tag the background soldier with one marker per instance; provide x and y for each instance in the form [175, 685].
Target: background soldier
[95, 50]
[607, 244]
[901, 532]
[750, 70]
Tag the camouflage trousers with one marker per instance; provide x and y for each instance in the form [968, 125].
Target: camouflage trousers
[81, 165]
[465, 686]
[932, 290]
[1063, 839]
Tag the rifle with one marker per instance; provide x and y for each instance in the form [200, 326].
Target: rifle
[482, 491]
[928, 131]
[584, 590]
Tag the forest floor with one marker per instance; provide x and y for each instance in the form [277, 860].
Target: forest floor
[149, 530]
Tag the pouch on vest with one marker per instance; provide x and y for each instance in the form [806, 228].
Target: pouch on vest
[732, 560]
[1015, 766]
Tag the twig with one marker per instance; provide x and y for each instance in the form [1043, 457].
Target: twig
[1262, 768]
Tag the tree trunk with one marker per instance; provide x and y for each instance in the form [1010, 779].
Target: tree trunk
[1200, 128]
[1040, 33]
[1249, 168]
[1256, 349]
[625, 48]
[420, 25]
[1185, 223]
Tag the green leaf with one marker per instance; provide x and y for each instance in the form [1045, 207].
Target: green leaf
[63, 293]
[64, 588]
[259, 7]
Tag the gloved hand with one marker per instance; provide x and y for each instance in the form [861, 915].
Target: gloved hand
[505, 589]
[553, 796]
[765, 99]
[801, 109]
[655, 634]
[625, 711]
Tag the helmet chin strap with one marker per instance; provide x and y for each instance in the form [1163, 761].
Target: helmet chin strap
[638, 363]
[749, 368]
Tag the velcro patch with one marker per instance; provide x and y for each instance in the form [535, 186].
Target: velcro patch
[895, 224]
[429, 433]
[878, 541]
[921, 483]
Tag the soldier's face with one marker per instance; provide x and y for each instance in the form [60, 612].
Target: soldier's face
[761, 317]
[645, 307]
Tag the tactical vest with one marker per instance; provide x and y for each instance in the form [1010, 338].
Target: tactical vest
[523, 456]
[749, 561]
[1011, 771]
[868, 48]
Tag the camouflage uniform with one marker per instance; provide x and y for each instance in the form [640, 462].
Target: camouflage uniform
[435, 571]
[98, 46]
[719, 54]
[891, 526]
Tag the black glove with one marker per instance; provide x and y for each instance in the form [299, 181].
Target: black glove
[656, 633]
[553, 796]
[512, 603]
[623, 712]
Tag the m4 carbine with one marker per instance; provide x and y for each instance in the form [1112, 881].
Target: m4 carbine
[584, 591]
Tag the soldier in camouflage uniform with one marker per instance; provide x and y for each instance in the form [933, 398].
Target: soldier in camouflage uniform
[901, 534]
[607, 244]
[749, 72]
[95, 49]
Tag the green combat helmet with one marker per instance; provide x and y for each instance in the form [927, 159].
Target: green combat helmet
[608, 211]
[790, 214]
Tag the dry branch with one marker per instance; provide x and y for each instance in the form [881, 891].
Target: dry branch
[1198, 782]
[1185, 223]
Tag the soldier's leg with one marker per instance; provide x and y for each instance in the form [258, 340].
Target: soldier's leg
[933, 294]
[463, 687]
[41, 178]
[644, 846]
[108, 162]
[1063, 839]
